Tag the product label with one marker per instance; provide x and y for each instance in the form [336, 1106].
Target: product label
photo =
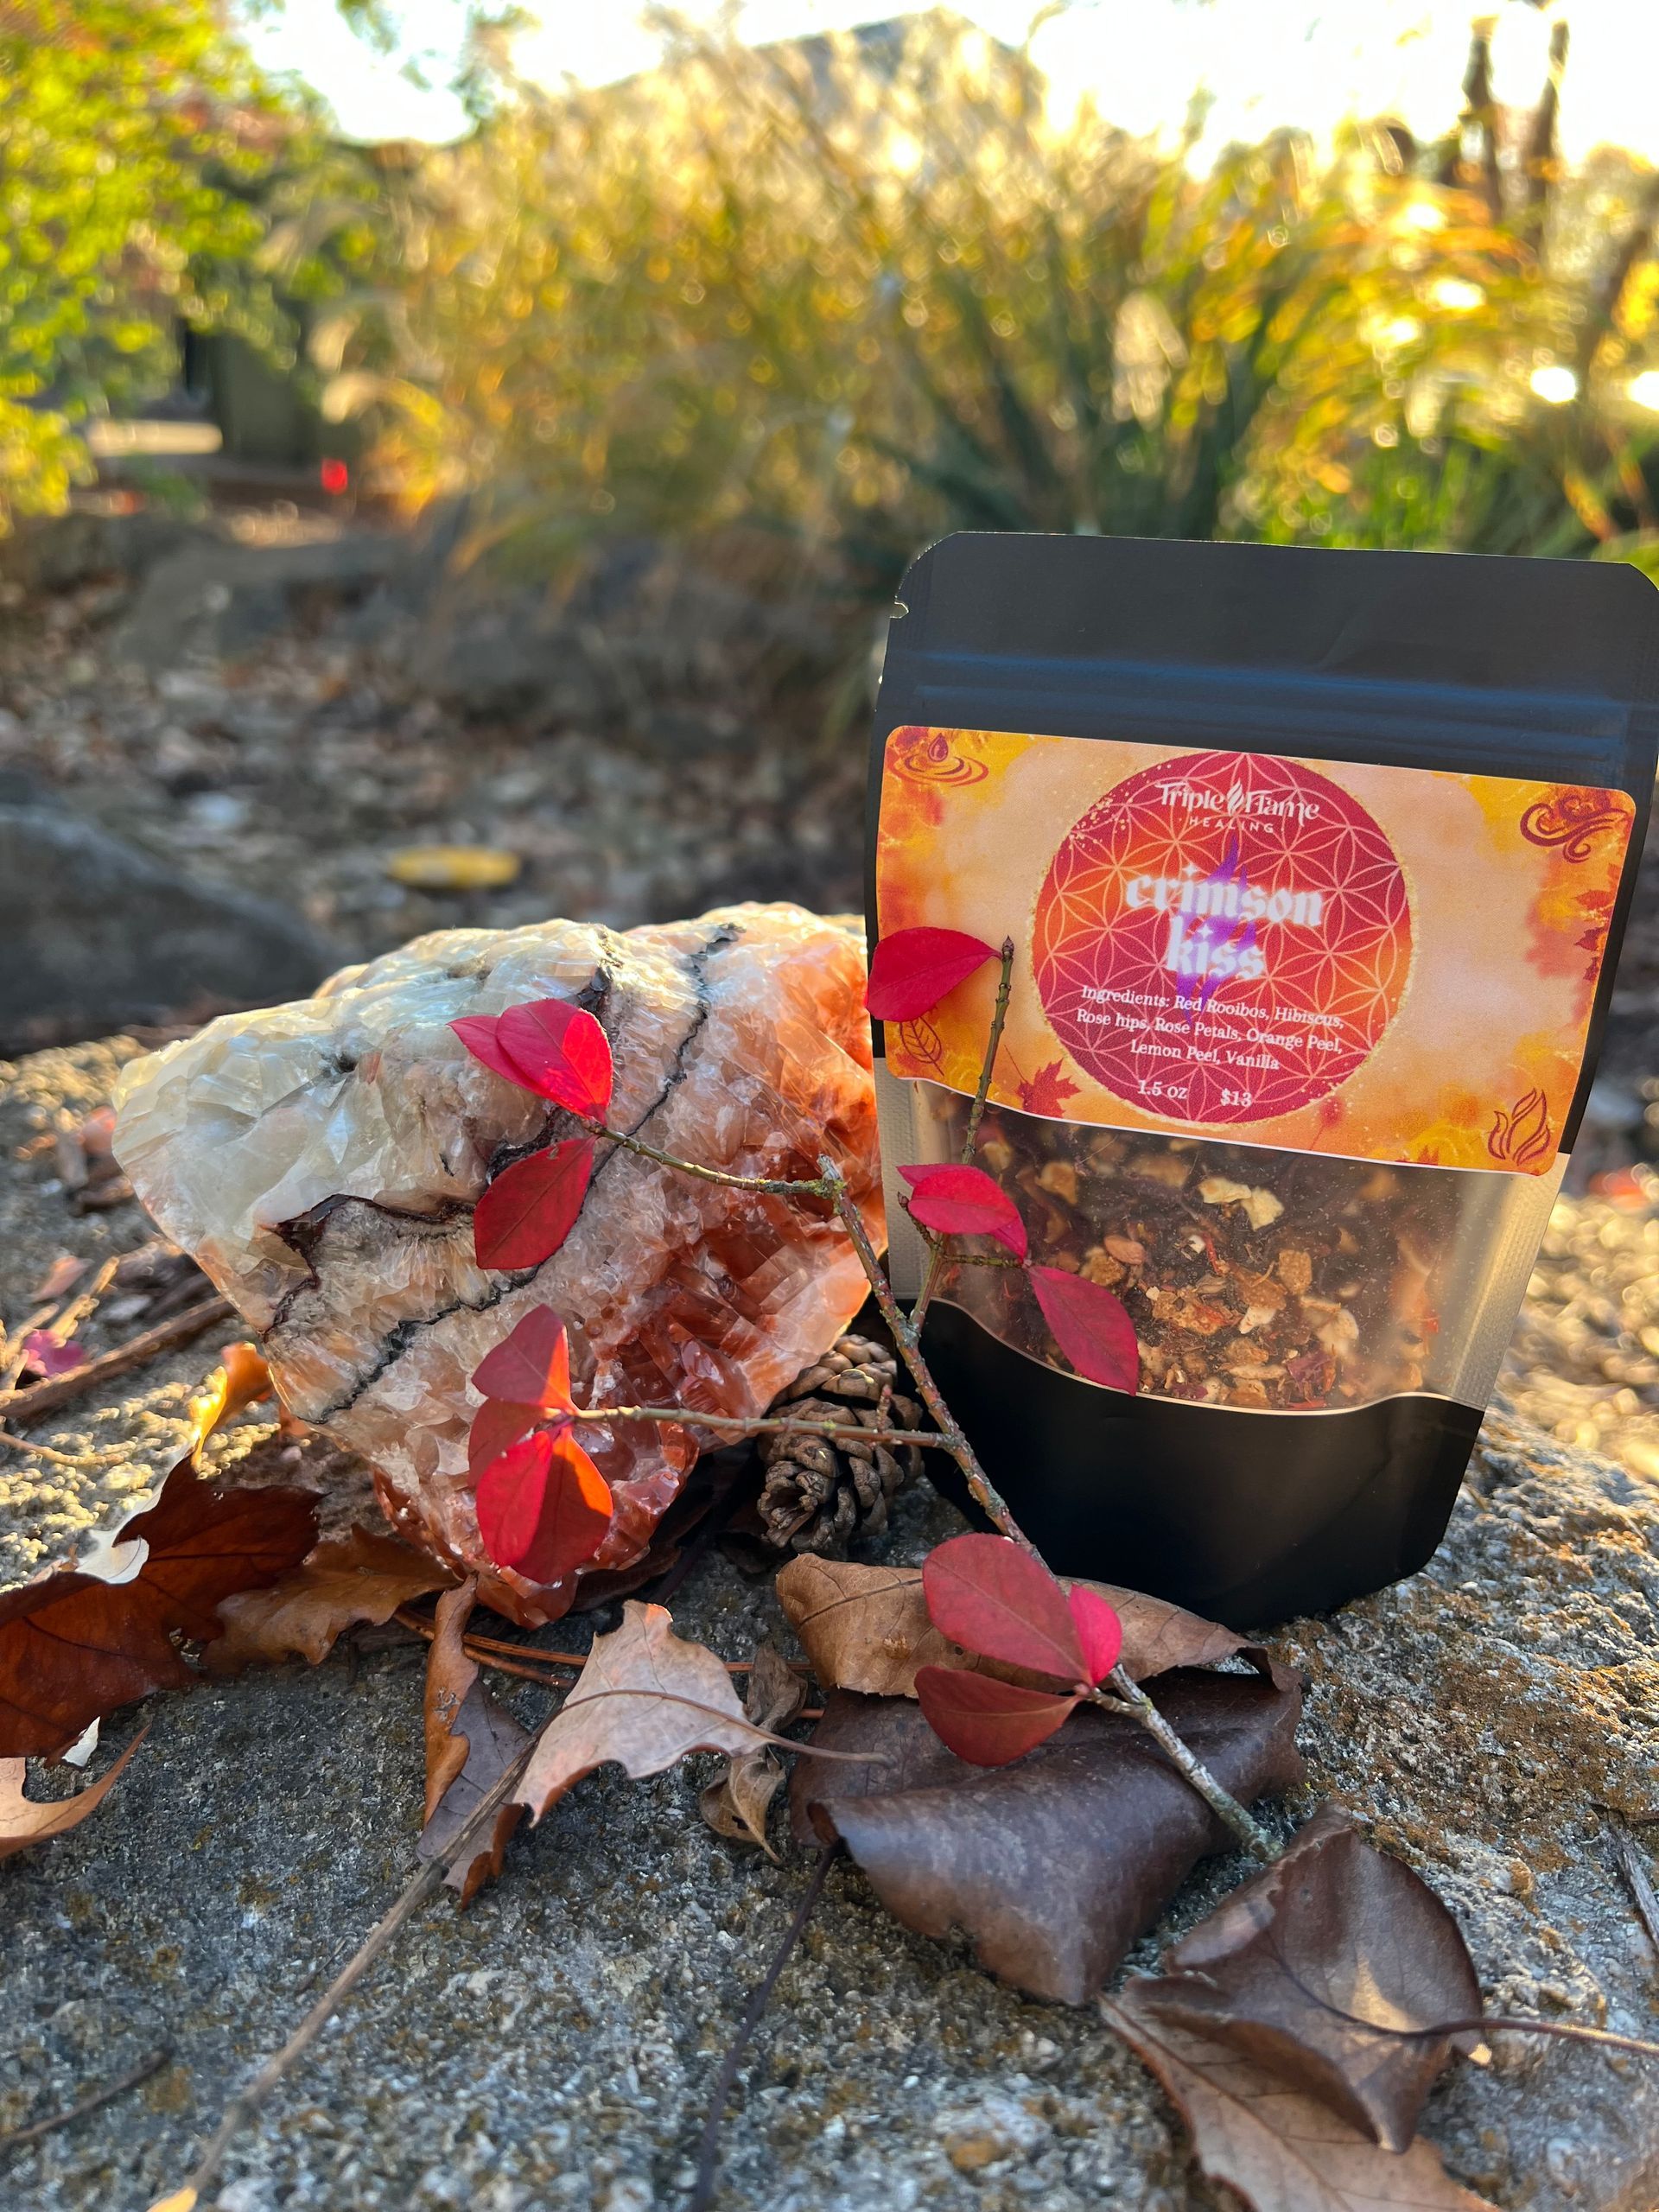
[1390, 964]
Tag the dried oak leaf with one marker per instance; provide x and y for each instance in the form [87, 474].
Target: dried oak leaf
[24, 1821]
[646, 1698]
[867, 1628]
[1324, 1969]
[341, 1581]
[1053, 1866]
[470, 1744]
[73, 1644]
[737, 1804]
[1281, 2150]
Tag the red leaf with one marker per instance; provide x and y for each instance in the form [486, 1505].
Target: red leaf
[911, 971]
[990, 1596]
[531, 1366]
[529, 1209]
[965, 1202]
[1099, 1630]
[477, 1031]
[47, 1357]
[560, 1052]
[544, 1508]
[497, 1427]
[984, 1721]
[1092, 1327]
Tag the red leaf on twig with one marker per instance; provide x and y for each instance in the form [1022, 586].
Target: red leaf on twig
[964, 1202]
[1100, 1631]
[479, 1032]
[497, 1427]
[531, 1366]
[990, 1596]
[544, 1508]
[985, 1721]
[531, 1207]
[561, 1053]
[911, 971]
[1092, 1327]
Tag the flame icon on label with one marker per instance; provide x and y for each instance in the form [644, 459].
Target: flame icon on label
[1521, 1136]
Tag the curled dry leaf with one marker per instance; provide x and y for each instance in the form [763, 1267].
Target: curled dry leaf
[867, 1628]
[1054, 1866]
[24, 1821]
[1281, 2151]
[1324, 1969]
[471, 1741]
[862, 1628]
[73, 1646]
[737, 1804]
[646, 1698]
[341, 1581]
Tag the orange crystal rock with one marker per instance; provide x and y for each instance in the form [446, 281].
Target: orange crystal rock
[322, 1160]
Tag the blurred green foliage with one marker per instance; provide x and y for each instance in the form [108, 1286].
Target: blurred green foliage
[843, 295]
[147, 178]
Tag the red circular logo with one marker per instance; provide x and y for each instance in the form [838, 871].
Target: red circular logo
[1224, 939]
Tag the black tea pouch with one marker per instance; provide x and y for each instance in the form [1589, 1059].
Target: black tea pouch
[1316, 865]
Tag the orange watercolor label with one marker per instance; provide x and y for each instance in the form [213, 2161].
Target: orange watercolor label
[1389, 963]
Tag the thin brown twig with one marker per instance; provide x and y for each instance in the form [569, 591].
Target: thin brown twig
[738, 1425]
[1512, 2024]
[952, 1437]
[247, 2103]
[725, 2080]
[483, 1646]
[766, 1186]
[14, 2136]
[1633, 1869]
[166, 1336]
[999, 1018]
[1221, 1802]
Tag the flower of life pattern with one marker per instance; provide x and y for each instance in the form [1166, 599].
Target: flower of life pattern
[1223, 938]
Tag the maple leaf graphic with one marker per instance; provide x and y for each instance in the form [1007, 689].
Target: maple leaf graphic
[1047, 1090]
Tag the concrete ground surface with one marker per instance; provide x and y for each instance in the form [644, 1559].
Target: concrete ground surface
[554, 2045]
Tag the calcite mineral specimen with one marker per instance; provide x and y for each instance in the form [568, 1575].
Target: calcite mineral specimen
[322, 1160]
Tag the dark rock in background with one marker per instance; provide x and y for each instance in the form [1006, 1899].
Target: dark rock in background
[98, 935]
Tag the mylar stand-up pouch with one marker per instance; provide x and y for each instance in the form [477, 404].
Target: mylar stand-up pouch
[1316, 864]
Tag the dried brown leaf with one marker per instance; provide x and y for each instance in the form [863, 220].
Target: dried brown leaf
[1052, 1865]
[1281, 2150]
[646, 1698]
[24, 1821]
[342, 1580]
[866, 1629]
[470, 1744]
[1324, 1969]
[736, 1806]
[73, 1646]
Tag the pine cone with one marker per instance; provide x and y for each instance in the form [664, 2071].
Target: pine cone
[817, 1492]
